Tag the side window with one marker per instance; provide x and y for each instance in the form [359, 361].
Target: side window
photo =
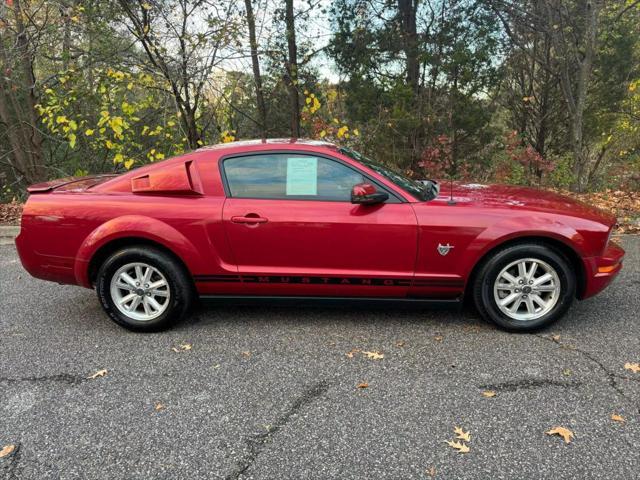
[295, 176]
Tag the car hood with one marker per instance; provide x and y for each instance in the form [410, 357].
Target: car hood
[522, 198]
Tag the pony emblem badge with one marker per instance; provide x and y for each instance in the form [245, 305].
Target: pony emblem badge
[444, 249]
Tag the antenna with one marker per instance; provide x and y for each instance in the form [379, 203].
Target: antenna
[451, 201]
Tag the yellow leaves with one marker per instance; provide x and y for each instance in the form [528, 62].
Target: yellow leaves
[352, 353]
[72, 140]
[459, 446]
[373, 355]
[342, 131]
[565, 433]
[116, 74]
[88, 132]
[118, 158]
[117, 124]
[129, 163]
[127, 108]
[323, 133]
[356, 132]
[617, 418]
[109, 144]
[312, 103]
[7, 450]
[462, 437]
[488, 393]
[154, 155]
[61, 119]
[73, 125]
[369, 355]
[227, 136]
[99, 373]
[634, 367]
[461, 434]
[183, 347]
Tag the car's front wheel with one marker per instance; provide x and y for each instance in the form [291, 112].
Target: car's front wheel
[143, 289]
[524, 287]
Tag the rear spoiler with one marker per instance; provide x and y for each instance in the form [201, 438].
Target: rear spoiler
[84, 183]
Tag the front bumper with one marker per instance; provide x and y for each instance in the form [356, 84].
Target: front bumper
[600, 271]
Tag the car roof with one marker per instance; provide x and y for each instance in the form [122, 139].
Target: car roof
[270, 141]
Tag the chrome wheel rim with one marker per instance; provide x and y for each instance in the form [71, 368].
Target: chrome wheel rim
[140, 291]
[527, 289]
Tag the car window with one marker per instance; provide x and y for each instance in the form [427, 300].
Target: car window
[295, 176]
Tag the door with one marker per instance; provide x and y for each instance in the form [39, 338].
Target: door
[293, 230]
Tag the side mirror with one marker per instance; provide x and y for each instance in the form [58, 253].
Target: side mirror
[366, 194]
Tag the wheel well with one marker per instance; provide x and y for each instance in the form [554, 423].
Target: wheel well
[113, 246]
[558, 246]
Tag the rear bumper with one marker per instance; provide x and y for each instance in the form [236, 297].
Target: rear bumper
[46, 267]
[600, 271]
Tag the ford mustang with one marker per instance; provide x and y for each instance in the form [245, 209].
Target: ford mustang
[299, 221]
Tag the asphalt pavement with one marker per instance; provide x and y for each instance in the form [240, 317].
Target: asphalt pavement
[277, 393]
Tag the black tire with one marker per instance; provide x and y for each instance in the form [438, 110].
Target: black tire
[179, 283]
[483, 287]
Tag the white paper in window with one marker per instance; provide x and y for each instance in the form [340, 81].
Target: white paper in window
[302, 176]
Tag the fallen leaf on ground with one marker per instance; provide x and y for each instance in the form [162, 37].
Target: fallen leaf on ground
[246, 354]
[182, 347]
[438, 338]
[363, 385]
[432, 472]
[489, 393]
[352, 353]
[459, 446]
[617, 418]
[99, 373]
[634, 367]
[555, 338]
[6, 450]
[462, 435]
[400, 343]
[374, 355]
[566, 372]
[159, 406]
[563, 432]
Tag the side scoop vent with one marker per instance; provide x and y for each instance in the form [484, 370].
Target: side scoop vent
[178, 179]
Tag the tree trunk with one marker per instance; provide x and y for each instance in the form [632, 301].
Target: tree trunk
[292, 69]
[18, 101]
[407, 10]
[575, 92]
[255, 61]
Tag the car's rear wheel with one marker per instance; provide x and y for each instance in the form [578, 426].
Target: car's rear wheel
[524, 287]
[143, 288]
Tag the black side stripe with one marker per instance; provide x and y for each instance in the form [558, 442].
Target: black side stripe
[319, 280]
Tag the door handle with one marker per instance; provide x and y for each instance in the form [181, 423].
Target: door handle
[249, 218]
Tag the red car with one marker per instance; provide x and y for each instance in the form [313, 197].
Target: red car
[306, 220]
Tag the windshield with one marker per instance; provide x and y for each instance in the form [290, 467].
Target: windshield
[422, 191]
